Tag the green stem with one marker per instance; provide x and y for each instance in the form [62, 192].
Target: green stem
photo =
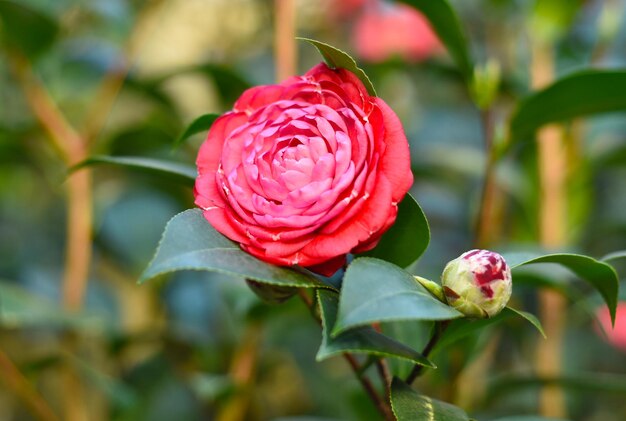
[486, 213]
[440, 327]
[358, 370]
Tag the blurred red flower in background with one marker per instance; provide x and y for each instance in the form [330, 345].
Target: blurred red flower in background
[385, 30]
[615, 335]
[345, 9]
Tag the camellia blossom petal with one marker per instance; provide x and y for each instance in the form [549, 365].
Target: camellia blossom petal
[304, 172]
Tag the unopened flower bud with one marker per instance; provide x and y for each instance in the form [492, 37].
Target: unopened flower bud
[478, 283]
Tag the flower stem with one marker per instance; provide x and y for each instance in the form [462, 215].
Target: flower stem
[440, 327]
[385, 375]
[378, 401]
[242, 372]
[110, 86]
[382, 406]
[486, 222]
[16, 381]
[552, 165]
[72, 150]
[284, 38]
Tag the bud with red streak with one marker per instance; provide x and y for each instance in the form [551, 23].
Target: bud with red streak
[478, 283]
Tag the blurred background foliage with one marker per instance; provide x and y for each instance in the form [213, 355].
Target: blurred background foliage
[132, 74]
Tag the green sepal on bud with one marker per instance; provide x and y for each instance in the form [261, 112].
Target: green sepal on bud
[433, 287]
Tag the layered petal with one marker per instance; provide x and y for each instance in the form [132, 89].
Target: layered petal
[304, 172]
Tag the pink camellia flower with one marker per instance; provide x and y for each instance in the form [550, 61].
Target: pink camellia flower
[616, 335]
[386, 30]
[478, 283]
[304, 172]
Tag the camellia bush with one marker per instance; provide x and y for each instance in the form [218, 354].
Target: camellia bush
[301, 175]
[301, 214]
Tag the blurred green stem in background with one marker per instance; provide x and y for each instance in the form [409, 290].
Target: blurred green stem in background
[552, 219]
[487, 226]
[242, 372]
[285, 39]
[73, 150]
[22, 388]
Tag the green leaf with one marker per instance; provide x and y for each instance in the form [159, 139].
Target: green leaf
[119, 393]
[446, 24]
[551, 19]
[271, 294]
[614, 256]
[407, 239]
[25, 29]
[528, 418]
[600, 275]
[189, 242]
[179, 172]
[226, 80]
[199, 125]
[583, 93]
[20, 308]
[541, 280]
[531, 318]
[600, 383]
[409, 405]
[462, 328]
[364, 340]
[335, 58]
[377, 291]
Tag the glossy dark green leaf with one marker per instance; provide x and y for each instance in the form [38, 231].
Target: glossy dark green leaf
[543, 280]
[183, 173]
[580, 94]
[271, 294]
[377, 291]
[189, 242]
[598, 274]
[199, 125]
[415, 334]
[531, 318]
[335, 58]
[25, 29]
[409, 405]
[363, 340]
[447, 25]
[462, 328]
[407, 239]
